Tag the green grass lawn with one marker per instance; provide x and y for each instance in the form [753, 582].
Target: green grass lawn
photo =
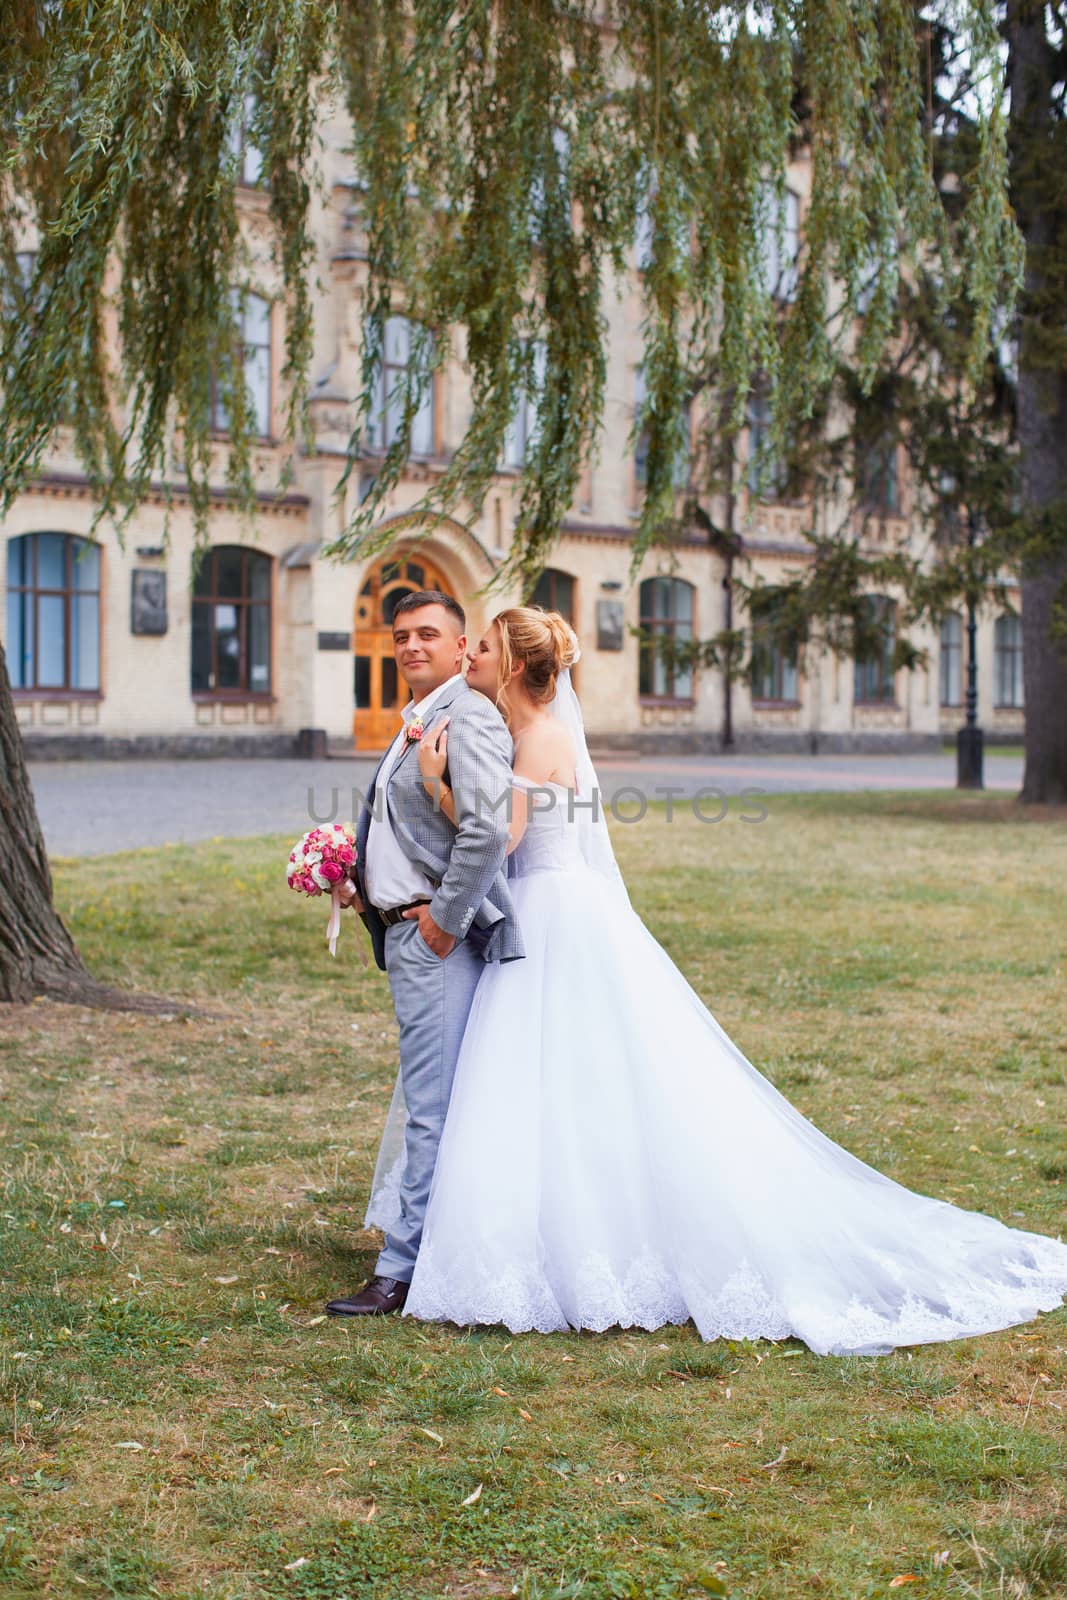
[180, 1195]
[992, 751]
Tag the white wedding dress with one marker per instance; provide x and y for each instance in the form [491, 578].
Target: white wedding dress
[611, 1158]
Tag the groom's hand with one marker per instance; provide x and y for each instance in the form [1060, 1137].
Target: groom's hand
[349, 895]
[440, 942]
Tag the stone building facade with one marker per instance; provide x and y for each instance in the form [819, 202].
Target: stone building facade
[274, 649]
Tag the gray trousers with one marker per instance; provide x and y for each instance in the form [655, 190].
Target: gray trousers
[432, 999]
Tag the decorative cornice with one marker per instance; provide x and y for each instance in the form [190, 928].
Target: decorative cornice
[619, 533]
[75, 486]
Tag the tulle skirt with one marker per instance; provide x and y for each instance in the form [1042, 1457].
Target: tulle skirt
[611, 1158]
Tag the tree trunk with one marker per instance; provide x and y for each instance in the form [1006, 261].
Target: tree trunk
[37, 954]
[36, 951]
[1037, 146]
[1045, 686]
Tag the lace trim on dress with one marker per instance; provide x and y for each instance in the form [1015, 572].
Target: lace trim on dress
[383, 1209]
[648, 1295]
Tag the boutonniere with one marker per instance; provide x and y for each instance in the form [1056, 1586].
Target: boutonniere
[414, 730]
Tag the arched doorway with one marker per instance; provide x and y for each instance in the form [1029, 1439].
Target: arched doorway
[379, 691]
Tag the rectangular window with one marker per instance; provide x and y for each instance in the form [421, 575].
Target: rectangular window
[521, 436]
[259, 649]
[765, 476]
[665, 608]
[361, 681]
[407, 350]
[19, 642]
[879, 478]
[1008, 662]
[778, 225]
[52, 653]
[874, 680]
[253, 315]
[774, 669]
[644, 228]
[682, 463]
[248, 156]
[951, 663]
[85, 641]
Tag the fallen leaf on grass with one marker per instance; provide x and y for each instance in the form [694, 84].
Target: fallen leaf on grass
[902, 1578]
[314, 1323]
[228, 1280]
[502, 1392]
[779, 1458]
[294, 1566]
[437, 1439]
[710, 1583]
[525, 1415]
[474, 1496]
[129, 1444]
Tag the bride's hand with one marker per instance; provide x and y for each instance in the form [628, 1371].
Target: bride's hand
[433, 753]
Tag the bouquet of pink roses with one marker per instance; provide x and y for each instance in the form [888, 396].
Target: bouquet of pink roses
[319, 863]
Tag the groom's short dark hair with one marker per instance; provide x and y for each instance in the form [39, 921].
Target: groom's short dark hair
[431, 597]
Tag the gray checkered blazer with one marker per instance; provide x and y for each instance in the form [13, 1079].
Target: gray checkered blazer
[469, 863]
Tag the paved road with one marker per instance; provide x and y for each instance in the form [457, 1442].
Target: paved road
[95, 807]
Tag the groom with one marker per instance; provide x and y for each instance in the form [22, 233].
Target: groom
[434, 899]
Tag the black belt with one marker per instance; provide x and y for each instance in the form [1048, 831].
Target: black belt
[395, 914]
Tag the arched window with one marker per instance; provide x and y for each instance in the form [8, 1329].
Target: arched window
[951, 662]
[874, 681]
[555, 592]
[53, 612]
[407, 345]
[1008, 661]
[379, 691]
[665, 608]
[231, 622]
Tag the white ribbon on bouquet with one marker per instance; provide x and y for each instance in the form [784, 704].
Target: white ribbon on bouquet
[333, 927]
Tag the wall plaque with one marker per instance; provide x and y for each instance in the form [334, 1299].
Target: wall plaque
[609, 624]
[148, 601]
[335, 641]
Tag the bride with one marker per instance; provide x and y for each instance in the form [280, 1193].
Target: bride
[611, 1158]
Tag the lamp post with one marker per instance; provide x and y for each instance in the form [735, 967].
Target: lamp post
[969, 738]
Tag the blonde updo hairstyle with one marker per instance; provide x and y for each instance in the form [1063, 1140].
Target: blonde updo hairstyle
[544, 643]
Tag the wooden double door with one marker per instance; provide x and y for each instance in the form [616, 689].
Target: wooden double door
[379, 690]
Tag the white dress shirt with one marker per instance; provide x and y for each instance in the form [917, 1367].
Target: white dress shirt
[391, 878]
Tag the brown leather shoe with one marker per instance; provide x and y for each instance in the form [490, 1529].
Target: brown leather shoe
[376, 1299]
